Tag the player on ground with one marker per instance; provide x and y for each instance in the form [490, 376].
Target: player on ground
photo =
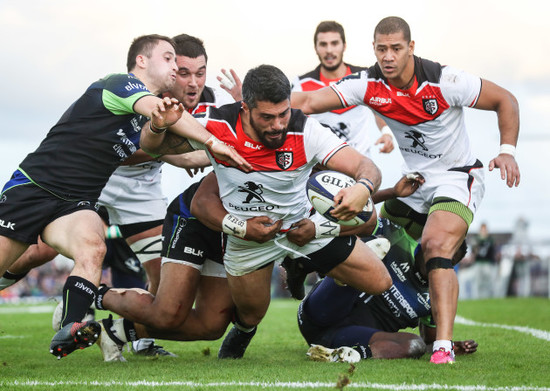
[334, 316]
[283, 145]
[350, 123]
[422, 102]
[54, 191]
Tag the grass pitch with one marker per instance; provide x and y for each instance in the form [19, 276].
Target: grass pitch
[513, 337]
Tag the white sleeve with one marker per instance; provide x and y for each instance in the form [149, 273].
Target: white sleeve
[460, 88]
[352, 89]
[296, 85]
[320, 143]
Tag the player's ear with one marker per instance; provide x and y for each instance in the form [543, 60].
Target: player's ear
[411, 47]
[245, 107]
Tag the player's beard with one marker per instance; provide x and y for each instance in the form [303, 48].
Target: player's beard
[333, 67]
[270, 144]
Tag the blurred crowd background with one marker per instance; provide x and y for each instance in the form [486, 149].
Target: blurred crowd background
[498, 264]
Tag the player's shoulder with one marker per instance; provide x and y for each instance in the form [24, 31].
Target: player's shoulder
[124, 83]
[228, 113]
[427, 70]
[313, 74]
[297, 121]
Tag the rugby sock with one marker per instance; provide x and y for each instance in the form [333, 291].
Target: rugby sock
[442, 343]
[243, 326]
[329, 302]
[8, 279]
[356, 337]
[102, 290]
[78, 296]
[129, 330]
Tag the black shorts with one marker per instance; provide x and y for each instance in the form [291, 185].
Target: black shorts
[187, 239]
[26, 209]
[330, 256]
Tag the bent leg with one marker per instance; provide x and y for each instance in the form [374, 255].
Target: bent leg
[443, 234]
[363, 270]
[167, 310]
[396, 345]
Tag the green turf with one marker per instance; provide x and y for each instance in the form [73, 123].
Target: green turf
[276, 358]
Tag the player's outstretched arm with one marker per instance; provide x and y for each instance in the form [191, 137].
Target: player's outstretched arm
[318, 101]
[496, 98]
[208, 208]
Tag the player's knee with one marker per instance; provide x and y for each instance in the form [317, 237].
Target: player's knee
[416, 348]
[169, 318]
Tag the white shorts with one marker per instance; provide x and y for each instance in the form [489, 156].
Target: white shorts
[467, 188]
[245, 256]
[208, 269]
[132, 200]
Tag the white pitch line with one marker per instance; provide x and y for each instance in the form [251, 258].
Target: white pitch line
[540, 334]
[267, 385]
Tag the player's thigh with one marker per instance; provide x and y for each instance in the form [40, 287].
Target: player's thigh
[213, 300]
[363, 270]
[177, 290]
[77, 235]
[251, 292]
[443, 233]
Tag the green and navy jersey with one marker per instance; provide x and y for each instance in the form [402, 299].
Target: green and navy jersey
[407, 301]
[90, 140]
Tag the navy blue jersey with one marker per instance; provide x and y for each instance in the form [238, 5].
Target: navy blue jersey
[407, 300]
[90, 140]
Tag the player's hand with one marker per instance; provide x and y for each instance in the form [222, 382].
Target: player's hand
[262, 229]
[167, 112]
[302, 232]
[349, 201]
[387, 143]
[225, 153]
[231, 83]
[408, 184]
[465, 347]
[509, 169]
[194, 171]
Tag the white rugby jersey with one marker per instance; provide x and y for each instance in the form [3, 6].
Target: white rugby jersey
[427, 119]
[350, 123]
[277, 185]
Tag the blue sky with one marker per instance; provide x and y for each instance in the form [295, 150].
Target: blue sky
[53, 50]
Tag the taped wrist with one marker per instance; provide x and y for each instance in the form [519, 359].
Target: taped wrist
[438, 263]
[326, 229]
[232, 225]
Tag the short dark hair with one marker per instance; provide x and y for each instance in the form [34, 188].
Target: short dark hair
[392, 25]
[189, 46]
[144, 45]
[265, 83]
[329, 26]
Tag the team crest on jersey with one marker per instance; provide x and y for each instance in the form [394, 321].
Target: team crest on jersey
[430, 106]
[284, 159]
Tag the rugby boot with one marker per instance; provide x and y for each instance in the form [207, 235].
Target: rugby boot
[75, 335]
[235, 343]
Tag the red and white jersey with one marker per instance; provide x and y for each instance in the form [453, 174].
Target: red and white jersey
[277, 185]
[350, 123]
[427, 119]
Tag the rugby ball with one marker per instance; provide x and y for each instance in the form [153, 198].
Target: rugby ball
[321, 189]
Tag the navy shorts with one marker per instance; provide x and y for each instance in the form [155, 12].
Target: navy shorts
[26, 209]
[187, 239]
